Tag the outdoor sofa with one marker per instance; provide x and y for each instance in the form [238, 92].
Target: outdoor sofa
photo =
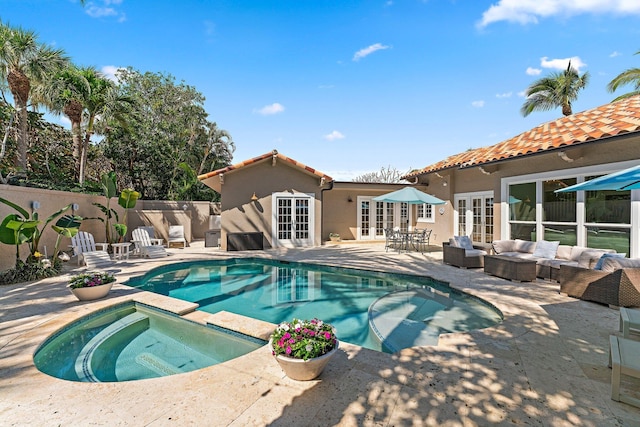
[616, 283]
[549, 256]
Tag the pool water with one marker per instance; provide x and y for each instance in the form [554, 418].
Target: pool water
[276, 291]
[132, 342]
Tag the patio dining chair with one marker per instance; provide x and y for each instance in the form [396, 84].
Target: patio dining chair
[393, 239]
[421, 240]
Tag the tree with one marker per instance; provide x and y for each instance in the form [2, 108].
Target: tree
[630, 76]
[23, 63]
[389, 175]
[66, 93]
[556, 90]
[165, 131]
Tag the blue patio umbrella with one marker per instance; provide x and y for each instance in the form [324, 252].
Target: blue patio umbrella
[627, 179]
[409, 195]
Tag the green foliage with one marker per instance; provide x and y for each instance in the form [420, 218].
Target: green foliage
[27, 273]
[630, 76]
[67, 226]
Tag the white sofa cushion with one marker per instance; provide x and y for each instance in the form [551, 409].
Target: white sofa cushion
[545, 249]
[611, 264]
[500, 246]
[590, 257]
[564, 252]
[474, 252]
[524, 246]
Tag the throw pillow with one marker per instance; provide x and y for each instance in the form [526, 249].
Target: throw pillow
[546, 249]
[465, 242]
[600, 262]
[453, 243]
[524, 246]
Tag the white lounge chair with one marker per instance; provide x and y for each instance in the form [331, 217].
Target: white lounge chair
[176, 235]
[84, 244]
[144, 246]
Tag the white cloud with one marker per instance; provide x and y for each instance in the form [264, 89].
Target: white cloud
[533, 71]
[104, 9]
[269, 110]
[504, 95]
[562, 63]
[368, 51]
[111, 72]
[529, 11]
[522, 94]
[614, 54]
[477, 104]
[334, 135]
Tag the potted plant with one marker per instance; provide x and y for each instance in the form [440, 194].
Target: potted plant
[303, 348]
[91, 285]
[334, 237]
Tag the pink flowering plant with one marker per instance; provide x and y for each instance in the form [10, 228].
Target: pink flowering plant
[94, 278]
[303, 339]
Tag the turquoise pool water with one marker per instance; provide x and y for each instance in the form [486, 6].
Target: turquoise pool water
[132, 342]
[276, 291]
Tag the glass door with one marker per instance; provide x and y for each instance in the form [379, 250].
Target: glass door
[374, 217]
[293, 220]
[474, 216]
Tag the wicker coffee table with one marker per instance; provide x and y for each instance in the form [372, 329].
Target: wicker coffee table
[511, 268]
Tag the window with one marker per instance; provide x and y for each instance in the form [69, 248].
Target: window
[425, 213]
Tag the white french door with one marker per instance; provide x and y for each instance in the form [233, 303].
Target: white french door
[474, 216]
[374, 217]
[293, 224]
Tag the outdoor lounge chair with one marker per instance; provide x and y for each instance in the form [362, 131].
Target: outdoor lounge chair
[176, 236]
[460, 252]
[144, 246]
[84, 246]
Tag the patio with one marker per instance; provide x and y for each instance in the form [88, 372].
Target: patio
[546, 364]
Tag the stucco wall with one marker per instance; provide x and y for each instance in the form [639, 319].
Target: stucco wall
[50, 202]
[240, 214]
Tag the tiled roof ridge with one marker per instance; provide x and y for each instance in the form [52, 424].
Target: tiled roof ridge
[269, 155]
[602, 122]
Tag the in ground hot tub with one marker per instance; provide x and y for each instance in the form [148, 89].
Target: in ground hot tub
[133, 341]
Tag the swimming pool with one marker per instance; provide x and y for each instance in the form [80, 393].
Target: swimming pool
[132, 341]
[277, 291]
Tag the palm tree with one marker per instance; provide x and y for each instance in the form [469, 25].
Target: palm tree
[630, 76]
[556, 90]
[25, 63]
[66, 93]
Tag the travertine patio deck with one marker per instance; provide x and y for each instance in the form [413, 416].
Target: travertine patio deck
[545, 365]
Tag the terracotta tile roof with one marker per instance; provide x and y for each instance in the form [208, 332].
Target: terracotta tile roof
[591, 125]
[263, 157]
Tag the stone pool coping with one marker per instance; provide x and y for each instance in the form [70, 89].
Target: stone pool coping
[544, 365]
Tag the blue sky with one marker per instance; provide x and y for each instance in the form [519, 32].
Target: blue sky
[352, 86]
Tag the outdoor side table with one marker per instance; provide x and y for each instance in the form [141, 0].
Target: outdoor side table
[120, 250]
[511, 268]
[629, 321]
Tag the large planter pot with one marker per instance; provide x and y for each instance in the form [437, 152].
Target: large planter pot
[304, 370]
[92, 292]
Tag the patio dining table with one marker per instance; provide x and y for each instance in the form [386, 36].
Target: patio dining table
[408, 240]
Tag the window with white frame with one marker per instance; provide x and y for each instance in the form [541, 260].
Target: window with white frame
[425, 213]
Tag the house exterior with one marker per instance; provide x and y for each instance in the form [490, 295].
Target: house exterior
[507, 190]
[275, 201]
[502, 191]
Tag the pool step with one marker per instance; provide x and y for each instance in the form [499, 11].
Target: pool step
[83, 361]
[402, 319]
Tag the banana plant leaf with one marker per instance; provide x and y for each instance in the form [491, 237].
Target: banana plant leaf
[128, 198]
[13, 231]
